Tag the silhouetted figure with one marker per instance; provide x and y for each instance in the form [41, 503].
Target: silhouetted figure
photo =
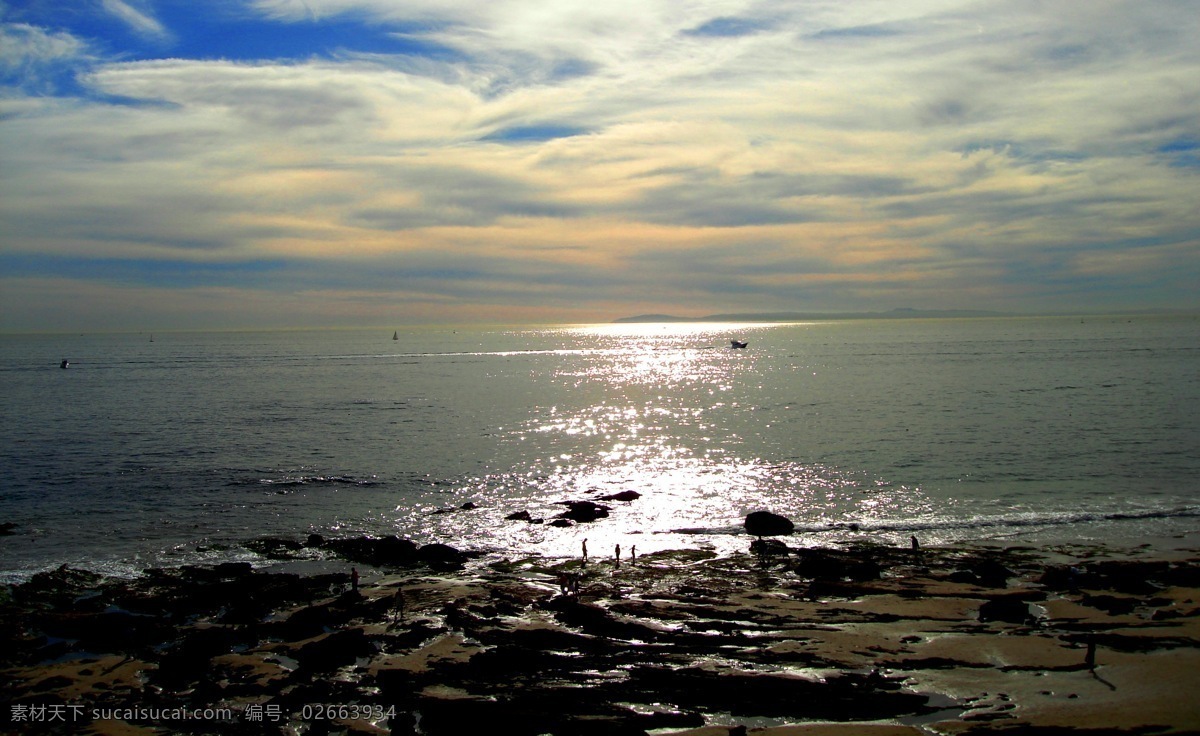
[585, 551]
[915, 543]
[633, 554]
[568, 584]
[617, 558]
[1090, 658]
[354, 579]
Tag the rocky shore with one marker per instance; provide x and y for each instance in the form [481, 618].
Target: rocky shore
[870, 640]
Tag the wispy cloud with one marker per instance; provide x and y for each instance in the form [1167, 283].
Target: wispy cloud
[140, 21]
[33, 58]
[576, 159]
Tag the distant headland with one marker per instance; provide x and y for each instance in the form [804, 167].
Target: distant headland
[901, 313]
[898, 313]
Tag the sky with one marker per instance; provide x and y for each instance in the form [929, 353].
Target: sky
[304, 163]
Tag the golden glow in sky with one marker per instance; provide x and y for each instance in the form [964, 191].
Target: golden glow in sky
[267, 163]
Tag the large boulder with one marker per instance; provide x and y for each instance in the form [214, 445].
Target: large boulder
[583, 511]
[441, 556]
[766, 524]
[381, 551]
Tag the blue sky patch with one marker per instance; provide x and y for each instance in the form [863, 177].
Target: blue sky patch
[534, 133]
[206, 31]
[150, 272]
[1184, 153]
[727, 27]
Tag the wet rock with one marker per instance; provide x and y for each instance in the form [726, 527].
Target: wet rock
[1111, 604]
[314, 540]
[381, 551]
[275, 548]
[992, 574]
[468, 506]
[1059, 577]
[583, 511]
[1185, 574]
[336, 650]
[1125, 576]
[233, 569]
[110, 631]
[848, 697]
[1009, 609]
[522, 515]
[820, 565]
[769, 548]
[441, 555]
[305, 623]
[597, 621]
[7, 528]
[622, 496]
[188, 661]
[56, 587]
[767, 524]
[864, 570]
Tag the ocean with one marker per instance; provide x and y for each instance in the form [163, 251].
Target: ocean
[176, 448]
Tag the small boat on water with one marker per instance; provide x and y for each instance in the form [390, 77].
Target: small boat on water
[396, 335]
[737, 344]
[65, 363]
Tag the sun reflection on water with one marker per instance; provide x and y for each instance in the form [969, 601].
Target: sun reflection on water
[663, 411]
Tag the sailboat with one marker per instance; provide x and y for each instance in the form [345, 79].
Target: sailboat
[396, 335]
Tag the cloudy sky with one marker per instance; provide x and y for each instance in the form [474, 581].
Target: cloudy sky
[241, 163]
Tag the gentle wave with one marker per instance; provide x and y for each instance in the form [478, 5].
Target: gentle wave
[1032, 519]
[288, 481]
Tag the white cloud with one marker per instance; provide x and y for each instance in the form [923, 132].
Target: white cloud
[141, 21]
[793, 155]
[29, 55]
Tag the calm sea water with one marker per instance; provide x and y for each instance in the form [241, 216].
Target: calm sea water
[174, 448]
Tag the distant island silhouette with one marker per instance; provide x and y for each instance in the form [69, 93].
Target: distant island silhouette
[899, 313]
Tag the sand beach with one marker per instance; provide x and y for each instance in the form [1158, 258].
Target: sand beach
[860, 640]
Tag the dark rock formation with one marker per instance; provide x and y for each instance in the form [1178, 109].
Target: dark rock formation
[767, 524]
[622, 496]
[992, 574]
[336, 650]
[275, 548]
[381, 551]
[441, 555]
[769, 548]
[830, 565]
[583, 511]
[1010, 609]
